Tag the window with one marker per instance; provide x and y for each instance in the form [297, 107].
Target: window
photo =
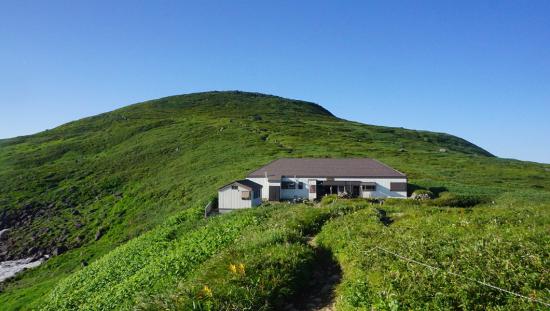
[235, 187]
[341, 189]
[300, 185]
[312, 189]
[245, 195]
[398, 186]
[288, 185]
[368, 187]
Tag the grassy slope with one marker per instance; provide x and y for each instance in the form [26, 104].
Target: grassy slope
[128, 170]
[505, 244]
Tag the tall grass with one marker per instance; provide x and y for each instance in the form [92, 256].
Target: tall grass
[506, 245]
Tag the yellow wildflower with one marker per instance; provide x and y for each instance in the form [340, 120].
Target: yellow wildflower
[207, 291]
[241, 269]
[233, 268]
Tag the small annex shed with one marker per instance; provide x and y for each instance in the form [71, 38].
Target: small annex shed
[239, 194]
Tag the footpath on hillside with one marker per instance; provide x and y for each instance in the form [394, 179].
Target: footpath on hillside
[319, 294]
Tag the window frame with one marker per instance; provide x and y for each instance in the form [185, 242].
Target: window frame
[288, 185]
[368, 188]
[398, 186]
[246, 195]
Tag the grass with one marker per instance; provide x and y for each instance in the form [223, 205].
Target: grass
[133, 170]
[505, 244]
[266, 246]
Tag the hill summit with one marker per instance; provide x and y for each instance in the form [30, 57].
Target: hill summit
[80, 190]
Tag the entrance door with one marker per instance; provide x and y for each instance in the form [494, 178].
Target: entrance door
[274, 193]
[355, 191]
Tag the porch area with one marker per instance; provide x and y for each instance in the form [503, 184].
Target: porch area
[351, 188]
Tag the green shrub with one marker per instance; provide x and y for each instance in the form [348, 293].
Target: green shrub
[488, 244]
[401, 202]
[329, 199]
[457, 200]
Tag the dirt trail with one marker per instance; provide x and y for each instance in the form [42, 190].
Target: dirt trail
[319, 293]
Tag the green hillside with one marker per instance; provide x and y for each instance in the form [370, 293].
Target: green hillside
[120, 196]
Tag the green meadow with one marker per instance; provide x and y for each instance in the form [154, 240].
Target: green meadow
[123, 192]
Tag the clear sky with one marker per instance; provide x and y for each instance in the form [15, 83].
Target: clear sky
[476, 69]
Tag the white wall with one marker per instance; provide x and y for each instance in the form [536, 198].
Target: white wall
[265, 186]
[289, 194]
[231, 199]
[382, 187]
[310, 183]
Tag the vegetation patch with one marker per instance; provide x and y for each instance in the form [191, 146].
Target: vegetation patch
[489, 244]
[126, 189]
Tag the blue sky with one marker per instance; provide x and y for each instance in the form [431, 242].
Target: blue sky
[476, 69]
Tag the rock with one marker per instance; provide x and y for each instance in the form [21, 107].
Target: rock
[420, 196]
[78, 240]
[39, 254]
[32, 251]
[59, 250]
[99, 233]
[442, 150]
[4, 234]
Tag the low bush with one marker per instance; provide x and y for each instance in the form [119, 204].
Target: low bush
[457, 200]
[329, 199]
[490, 244]
[261, 270]
[401, 202]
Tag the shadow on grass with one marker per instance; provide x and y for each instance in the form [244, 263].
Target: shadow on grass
[318, 293]
[384, 218]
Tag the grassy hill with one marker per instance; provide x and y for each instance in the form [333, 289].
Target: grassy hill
[120, 197]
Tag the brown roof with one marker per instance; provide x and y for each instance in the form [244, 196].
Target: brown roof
[249, 184]
[324, 167]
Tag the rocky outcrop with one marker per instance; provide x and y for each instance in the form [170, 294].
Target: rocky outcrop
[4, 234]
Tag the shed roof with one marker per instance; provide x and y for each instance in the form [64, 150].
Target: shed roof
[245, 183]
[326, 167]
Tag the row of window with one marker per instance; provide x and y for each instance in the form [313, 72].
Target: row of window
[245, 195]
[368, 187]
[292, 185]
